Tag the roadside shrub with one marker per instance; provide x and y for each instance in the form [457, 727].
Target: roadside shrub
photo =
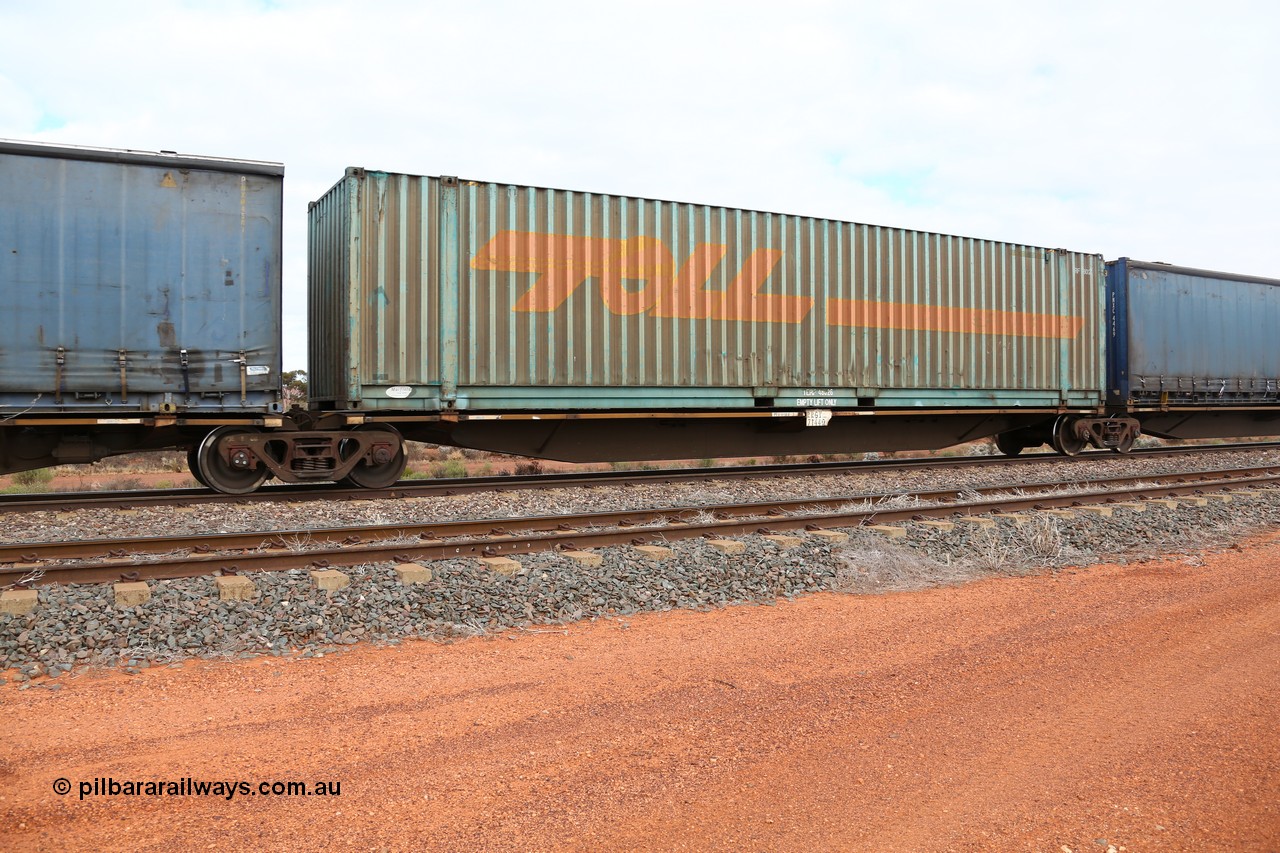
[449, 469]
[174, 463]
[124, 484]
[37, 477]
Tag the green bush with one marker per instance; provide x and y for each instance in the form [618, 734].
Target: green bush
[37, 477]
[449, 469]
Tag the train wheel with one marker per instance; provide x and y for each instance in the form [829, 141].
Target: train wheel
[385, 468]
[193, 465]
[218, 474]
[1065, 440]
[1008, 444]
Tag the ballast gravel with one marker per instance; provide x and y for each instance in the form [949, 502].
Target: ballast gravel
[78, 625]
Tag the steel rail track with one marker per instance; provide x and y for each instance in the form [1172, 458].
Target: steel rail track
[61, 501]
[472, 538]
[360, 534]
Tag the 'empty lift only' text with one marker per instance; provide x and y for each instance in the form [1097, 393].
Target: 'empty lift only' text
[562, 263]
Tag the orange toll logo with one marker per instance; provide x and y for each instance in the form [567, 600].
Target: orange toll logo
[562, 263]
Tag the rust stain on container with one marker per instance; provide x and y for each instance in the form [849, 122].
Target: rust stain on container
[938, 318]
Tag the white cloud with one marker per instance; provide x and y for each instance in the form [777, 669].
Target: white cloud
[17, 108]
[1139, 128]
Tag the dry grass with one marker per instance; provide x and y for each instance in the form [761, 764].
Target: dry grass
[295, 543]
[30, 577]
[884, 504]
[1033, 545]
[869, 563]
[884, 566]
[700, 518]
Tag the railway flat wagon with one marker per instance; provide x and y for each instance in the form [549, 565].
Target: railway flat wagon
[1194, 353]
[141, 296]
[587, 326]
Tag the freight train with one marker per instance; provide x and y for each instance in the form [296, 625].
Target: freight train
[142, 310]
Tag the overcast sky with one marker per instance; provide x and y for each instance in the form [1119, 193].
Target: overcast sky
[1150, 130]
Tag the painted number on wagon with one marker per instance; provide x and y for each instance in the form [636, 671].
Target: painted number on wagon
[816, 397]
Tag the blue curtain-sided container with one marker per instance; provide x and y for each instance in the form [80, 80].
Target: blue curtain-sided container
[1189, 337]
[137, 282]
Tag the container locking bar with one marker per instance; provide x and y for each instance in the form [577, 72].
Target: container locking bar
[61, 363]
[124, 382]
[185, 361]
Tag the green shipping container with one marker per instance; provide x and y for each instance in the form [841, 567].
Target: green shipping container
[444, 295]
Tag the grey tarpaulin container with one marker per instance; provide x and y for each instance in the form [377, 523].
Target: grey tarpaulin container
[433, 294]
[1183, 336]
[138, 282]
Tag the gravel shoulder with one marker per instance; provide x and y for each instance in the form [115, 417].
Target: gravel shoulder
[78, 626]
[1130, 706]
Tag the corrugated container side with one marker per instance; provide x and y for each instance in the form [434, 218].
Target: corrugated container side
[329, 253]
[1193, 336]
[373, 295]
[138, 282]
[581, 300]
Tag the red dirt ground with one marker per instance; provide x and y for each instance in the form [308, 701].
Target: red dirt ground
[1134, 708]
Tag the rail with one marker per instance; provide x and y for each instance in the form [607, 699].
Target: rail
[303, 548]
